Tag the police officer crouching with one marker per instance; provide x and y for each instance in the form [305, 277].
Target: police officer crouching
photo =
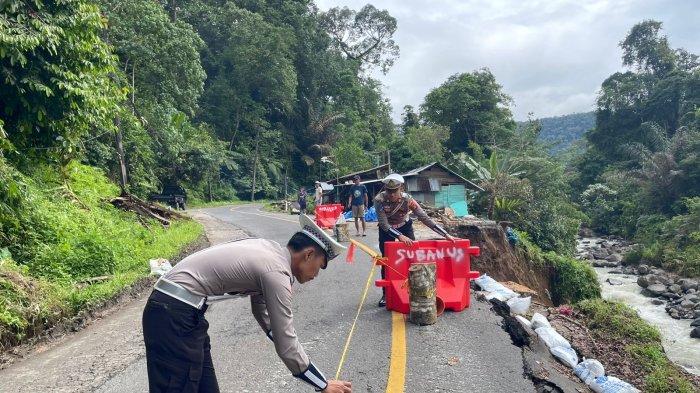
[175, 330]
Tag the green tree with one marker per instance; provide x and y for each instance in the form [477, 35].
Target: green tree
[55, 85]
[363, 36]
[159, 57]
[646, 50]
[473, 107]
[500, 180]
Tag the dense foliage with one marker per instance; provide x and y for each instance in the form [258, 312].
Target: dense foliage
[57, 248]
[640, 174]
[53, 62]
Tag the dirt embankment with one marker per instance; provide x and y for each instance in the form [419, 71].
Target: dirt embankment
[54, 334]
[499, 259]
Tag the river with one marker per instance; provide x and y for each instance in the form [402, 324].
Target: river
[679, 346]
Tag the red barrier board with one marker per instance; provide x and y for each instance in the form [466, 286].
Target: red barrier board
[327, 215]
[453, 262]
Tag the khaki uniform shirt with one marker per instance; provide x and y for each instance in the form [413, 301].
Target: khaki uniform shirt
[257, 268]
[395, 214]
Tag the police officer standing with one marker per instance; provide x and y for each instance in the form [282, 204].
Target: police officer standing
[175, 329]
[394, 207]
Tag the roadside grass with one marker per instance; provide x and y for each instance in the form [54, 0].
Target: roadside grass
[571, 280]
[71, 249]
[617, 323]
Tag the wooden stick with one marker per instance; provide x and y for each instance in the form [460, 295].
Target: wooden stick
[369, 250]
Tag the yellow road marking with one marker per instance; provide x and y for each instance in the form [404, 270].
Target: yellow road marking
[397, 366]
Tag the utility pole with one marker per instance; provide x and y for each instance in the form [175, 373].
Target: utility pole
[388, 159]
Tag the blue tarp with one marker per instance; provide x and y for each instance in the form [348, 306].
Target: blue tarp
[370, 215]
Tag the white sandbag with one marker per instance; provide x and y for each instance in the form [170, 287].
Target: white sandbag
[159, 266]
[551, 338]
[486, 283]
[565, 355]
[519, 305]
[539, 320]
[523, 321]
[496, 289]
[588, 370]
[606, 384]
[495, 295]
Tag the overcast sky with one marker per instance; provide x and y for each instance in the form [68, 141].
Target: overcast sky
[550, 56]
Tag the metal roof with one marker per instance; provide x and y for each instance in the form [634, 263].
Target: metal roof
[417, 171]
[413, 172]
[350, 175]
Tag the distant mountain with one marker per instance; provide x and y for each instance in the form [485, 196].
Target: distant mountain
[563, 131]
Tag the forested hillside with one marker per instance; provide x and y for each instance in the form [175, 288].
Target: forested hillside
[640, 174]
[563, 131]
[228, 99]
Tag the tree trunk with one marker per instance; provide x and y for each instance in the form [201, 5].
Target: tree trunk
[255, 166]
[421, 292]
[388, 159]
[235, 131]
[120, 155]
[209, 189]
[133, 88]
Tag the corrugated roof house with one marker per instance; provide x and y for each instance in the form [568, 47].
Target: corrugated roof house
[434, 184]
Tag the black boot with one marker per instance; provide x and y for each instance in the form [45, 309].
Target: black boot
[382, 302]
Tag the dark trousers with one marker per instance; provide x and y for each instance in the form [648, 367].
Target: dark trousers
[178, 353]
[406, 230]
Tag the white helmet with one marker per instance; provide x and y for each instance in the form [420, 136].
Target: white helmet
[393, 181]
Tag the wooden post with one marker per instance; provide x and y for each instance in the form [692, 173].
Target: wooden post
[421, 292]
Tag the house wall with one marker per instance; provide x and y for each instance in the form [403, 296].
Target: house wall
[437, 187]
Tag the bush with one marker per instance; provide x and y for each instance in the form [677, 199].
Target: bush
[618, 321]
[573, 280]
[598, 202]
[672, 244]
[639, 340]
[80, 235]
[86, 255]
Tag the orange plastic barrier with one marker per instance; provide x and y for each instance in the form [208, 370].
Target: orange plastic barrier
[453, 260]
[327, 215]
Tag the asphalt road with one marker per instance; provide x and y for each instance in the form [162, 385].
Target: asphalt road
[463, 352]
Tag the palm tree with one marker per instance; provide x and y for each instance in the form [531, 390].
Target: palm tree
[657, 172]
[496, 176]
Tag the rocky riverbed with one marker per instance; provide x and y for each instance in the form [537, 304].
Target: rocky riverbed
[667, 301]
[680, 295]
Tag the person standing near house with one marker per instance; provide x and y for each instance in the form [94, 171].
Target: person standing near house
[393, 213]
[358, 200]
[318, 195]
[302, 200]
